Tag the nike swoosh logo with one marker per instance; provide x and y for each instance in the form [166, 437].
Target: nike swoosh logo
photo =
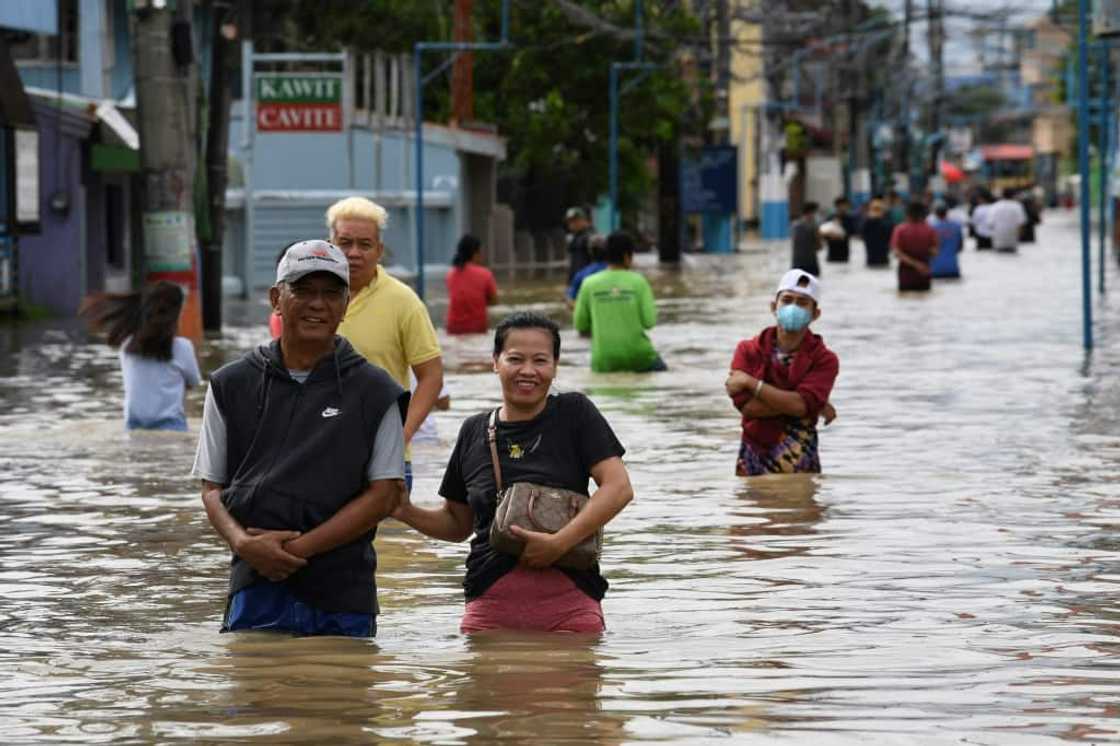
[331, 412]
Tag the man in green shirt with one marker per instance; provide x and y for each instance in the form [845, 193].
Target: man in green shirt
[616, 306]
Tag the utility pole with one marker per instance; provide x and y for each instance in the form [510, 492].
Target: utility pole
[217, 149]
[166, 79]
[462, 74]
[935, 14]
[903, 162]
[852, 77]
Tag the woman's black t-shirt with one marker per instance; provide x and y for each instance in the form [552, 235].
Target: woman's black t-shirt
[557, 448]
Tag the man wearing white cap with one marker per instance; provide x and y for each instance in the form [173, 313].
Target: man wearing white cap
[780, 382]
[301, 454]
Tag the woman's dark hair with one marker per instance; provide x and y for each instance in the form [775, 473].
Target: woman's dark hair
[283, 251]
[916, 211]
[150, 317]
[526, 320]
[465, 251]
[619, 246]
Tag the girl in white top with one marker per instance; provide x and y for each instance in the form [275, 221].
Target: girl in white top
[157, 365]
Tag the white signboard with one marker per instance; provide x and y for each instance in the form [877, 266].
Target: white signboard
[169, 240]
[27, 176]
[960, 140]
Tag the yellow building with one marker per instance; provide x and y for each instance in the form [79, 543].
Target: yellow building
[746, 94]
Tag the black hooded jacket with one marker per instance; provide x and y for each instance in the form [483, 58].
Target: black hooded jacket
[298, 453]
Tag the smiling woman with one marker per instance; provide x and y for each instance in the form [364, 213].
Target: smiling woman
[553, 440]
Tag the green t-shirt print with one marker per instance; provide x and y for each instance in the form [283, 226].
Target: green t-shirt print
[616, 306]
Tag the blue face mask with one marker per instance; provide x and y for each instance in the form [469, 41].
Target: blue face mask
[794, 318]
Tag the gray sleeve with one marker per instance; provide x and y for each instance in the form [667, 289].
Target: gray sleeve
[387, 459]
[210, 458]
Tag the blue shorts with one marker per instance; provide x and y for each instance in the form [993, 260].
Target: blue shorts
[408, 476]
[270, 606]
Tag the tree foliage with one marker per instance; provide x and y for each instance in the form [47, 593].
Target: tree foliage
[547, 93]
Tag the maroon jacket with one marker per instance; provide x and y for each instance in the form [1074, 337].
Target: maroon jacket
[811, 373]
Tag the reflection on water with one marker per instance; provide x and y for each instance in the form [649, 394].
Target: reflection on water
[949, 579]
[782, 512]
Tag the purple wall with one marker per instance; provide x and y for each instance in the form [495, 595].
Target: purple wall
[51, 262]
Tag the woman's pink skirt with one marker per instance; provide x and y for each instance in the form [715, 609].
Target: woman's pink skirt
[536, 600]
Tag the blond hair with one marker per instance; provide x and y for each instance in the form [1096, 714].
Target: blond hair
[357, 208]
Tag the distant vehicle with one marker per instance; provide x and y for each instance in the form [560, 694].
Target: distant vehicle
[1007, 166]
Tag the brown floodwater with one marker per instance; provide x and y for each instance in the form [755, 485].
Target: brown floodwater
[951, 578]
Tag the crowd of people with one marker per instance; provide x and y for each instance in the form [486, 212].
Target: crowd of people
[305, 442]
[926, 237]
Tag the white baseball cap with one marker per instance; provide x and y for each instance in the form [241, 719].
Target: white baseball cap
[801, 282]
[314, 255]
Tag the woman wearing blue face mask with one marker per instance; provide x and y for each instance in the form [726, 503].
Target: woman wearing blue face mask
[780, 382]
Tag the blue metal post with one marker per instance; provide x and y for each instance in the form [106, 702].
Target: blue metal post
[1083, 168]
[1102, 187]
[418, 133]
[418, 53]
[638, 30]
[613, 147]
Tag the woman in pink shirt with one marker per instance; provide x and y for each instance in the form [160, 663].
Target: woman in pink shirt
[470, 289]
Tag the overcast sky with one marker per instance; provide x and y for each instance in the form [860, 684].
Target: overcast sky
[960, 52]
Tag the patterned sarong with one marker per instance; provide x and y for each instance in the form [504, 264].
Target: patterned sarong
[795, 453]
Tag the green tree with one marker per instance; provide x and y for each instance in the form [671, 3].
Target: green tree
[548, 93]
[975, 101]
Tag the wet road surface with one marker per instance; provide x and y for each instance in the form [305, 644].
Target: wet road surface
[951, 578]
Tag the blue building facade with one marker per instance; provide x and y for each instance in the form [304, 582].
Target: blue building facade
[294, 177]
[78, 65]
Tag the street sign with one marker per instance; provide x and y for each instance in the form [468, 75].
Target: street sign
[299, 103]
[710, 181]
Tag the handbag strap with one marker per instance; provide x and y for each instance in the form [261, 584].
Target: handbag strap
[492, 438]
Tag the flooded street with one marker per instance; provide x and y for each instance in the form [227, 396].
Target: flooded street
[951, 578]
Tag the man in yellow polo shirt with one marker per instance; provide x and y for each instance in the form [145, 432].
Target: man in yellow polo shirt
[386, 321]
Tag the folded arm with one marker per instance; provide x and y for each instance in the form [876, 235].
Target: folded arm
[355, 518]
[770, 401]
[265, 551]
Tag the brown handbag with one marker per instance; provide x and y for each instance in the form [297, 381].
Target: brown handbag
[537, 508]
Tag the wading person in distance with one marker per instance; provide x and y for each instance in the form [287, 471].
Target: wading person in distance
[806, 241]
[1007, 218]
[914, 243]
[555, 440]
[950, 237]
[839, 246]
[597, 246]
[578, 240]
[386, 321]
[470, 289]
[301, 454]
[876, 231]
[780, 382]
[616, 307]
[156, 365]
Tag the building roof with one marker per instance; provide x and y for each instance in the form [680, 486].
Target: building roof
[93, 110]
